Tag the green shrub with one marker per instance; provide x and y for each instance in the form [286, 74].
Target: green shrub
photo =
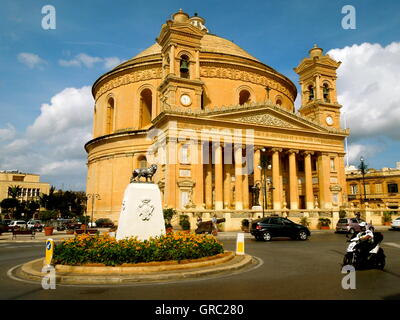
[168, 215]
[184, 222]
[304, 221]
[386, 217]
[324, 222]
[106, 250]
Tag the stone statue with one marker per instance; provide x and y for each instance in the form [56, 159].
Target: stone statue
[143, 172]
[256, 193]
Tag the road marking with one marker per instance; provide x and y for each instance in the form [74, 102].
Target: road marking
[392, 244]
[5, 246]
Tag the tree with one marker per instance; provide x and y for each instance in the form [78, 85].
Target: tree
[9, 204]
[14, 191]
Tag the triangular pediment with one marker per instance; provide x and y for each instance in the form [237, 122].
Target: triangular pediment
[187, 28]
[270, 116]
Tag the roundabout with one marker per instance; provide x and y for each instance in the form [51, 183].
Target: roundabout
[223, 264]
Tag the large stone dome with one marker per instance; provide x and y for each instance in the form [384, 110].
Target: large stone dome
[209, 43]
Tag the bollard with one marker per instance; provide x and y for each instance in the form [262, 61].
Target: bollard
[240, 244]
[49, 252]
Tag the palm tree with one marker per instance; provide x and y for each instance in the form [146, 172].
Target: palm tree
[14, 191]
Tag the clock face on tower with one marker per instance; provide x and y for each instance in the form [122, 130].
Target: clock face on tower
[329, 120]
[186, 100]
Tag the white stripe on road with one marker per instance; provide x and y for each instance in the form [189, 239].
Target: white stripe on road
[392, 244]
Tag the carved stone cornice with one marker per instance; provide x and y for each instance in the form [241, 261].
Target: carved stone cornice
[276, 150]
[235, 72]
[291, 151]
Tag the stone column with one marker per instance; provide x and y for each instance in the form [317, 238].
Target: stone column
[245, 186]
[257, 171]
[308, 180]
[172, 60]
[198, 176]
[276, 183]
[227, 186]
[171, 187]
[219, 196]
[324, 181]
[197, 68]
[342, 180]
[293, 183]
[208, 185]
[238, 179]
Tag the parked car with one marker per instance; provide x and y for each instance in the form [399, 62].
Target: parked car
[16, 224]
[36, 225]
[351, 225]
[104, 223]
[269, 227]
[3, 227]
[6, 222]
[396, 224]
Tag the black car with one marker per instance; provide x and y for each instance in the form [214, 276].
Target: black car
[269, 227]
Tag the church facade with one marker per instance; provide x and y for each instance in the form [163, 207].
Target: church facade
[221, 127]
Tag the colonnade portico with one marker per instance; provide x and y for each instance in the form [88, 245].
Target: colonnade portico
[227, 180]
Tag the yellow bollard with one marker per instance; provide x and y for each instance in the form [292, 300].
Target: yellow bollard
[49, 251]
[240, 244]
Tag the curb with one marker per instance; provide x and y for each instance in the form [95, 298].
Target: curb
[28, 272]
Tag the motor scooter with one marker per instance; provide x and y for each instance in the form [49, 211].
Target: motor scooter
[363, 255]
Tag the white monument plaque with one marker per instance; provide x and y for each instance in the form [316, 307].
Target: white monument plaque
[141, 212]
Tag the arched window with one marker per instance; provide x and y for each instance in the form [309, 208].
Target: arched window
[325, 91]
[146, 105]
[310, 92]
[110, 116]
[244, 97]
[184, 67]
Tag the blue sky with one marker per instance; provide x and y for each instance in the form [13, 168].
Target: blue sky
[279, 33]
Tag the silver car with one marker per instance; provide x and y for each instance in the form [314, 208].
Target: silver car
[396, 224]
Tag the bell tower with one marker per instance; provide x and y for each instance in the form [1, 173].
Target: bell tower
[180, 47]
[318, 88]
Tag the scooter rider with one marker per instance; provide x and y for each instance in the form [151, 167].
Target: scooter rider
[365, 238]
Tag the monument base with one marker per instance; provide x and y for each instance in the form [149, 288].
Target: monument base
[141, 212]
[256, 208]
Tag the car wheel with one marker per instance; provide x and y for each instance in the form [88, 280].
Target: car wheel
[266, 236]
[302, 235]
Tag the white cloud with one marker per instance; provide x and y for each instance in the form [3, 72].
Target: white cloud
[356, 150]
[87, 61]
[53, 145]
[7, 133]
[111, 62]
[369, 89]
[69, 109]
[30, 59]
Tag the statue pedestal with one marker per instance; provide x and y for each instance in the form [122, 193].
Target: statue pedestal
[256, 208]
[141, 212]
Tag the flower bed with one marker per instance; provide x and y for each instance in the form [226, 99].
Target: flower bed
[87, 249]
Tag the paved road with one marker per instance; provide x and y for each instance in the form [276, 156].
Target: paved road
[289, 270]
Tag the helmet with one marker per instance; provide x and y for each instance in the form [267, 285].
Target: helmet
[363, 224]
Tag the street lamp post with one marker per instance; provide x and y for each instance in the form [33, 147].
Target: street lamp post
[264, 165]
[363, 168]
[93, 196]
